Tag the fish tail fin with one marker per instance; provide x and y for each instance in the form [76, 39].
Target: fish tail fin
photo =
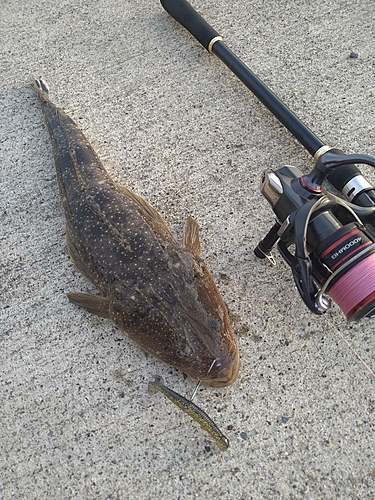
[41, 88]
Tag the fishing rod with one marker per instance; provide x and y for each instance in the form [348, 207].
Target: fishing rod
[334, 250]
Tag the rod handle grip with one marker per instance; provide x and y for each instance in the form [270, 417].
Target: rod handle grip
[189, 18]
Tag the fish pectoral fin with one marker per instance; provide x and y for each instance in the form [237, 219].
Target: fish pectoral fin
[92, 303]
[148, 212]
[190, 236]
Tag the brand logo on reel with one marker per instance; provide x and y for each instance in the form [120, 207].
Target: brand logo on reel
[346, 247]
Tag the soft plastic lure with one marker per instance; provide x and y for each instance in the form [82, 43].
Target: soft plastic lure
[191, 409]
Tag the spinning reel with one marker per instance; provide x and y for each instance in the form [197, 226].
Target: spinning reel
[334, 250]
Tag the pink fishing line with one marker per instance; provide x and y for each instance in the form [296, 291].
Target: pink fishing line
[347, 343]
[356, 288]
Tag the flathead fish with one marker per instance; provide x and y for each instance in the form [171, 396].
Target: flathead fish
[159, 293]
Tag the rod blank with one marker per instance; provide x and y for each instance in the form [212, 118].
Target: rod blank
[184, 13]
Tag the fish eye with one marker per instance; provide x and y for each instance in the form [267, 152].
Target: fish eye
[182, 349]
[214, 324]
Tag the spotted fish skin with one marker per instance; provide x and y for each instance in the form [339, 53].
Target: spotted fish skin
[161, 294]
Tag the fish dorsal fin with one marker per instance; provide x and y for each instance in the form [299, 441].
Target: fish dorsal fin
[190, 236]
[148, 212]
[92, 303]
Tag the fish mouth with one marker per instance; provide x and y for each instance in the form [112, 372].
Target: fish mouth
[228, 379]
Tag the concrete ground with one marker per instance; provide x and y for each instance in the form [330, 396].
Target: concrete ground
[172, 123]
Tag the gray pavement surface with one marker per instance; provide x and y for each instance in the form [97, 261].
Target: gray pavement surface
[173, 124]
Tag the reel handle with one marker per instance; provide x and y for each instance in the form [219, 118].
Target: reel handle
[189, 18]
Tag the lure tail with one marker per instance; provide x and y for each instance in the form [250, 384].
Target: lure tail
[154, 385]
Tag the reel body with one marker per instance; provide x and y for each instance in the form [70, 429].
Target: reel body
[334, 251]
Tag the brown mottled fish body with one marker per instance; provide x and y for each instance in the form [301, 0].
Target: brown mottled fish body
[158, 292]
